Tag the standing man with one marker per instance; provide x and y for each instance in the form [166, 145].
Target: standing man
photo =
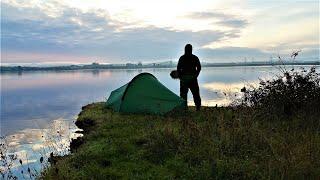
[189, 69]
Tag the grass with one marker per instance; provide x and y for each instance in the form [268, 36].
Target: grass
[215, 143]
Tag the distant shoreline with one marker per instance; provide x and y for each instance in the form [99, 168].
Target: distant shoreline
[96, 66]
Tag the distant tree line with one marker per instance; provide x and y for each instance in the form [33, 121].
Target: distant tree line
[139, 65]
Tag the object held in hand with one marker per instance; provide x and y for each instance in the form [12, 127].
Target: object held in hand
[174, 74]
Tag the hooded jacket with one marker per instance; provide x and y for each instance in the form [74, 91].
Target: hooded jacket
[189, 64]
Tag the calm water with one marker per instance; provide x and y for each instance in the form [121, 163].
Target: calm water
[37, 105]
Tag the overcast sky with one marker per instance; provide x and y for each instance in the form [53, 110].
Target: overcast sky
[117, 31]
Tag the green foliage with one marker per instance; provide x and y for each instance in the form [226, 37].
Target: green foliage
[294, 95]
[215, 143]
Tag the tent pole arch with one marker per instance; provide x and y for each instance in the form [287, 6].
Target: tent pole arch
[144, 94]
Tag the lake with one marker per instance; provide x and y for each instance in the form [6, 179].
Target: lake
[38, 109]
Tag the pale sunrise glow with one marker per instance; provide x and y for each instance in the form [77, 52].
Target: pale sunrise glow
[112, 31]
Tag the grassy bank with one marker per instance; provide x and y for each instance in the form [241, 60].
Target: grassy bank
[216, 143]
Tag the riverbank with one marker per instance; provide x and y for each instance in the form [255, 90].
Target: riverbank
[216, 143]
[96, 66]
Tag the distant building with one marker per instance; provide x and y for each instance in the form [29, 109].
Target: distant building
[129, 65]
[94, 65]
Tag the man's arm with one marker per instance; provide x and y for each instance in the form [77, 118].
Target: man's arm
[198, 66]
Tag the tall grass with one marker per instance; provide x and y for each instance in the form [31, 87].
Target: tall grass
[215, 143]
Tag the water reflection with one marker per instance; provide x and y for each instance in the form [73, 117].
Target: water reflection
[35, 106]
[29, 145]
[44, 96]
[225, 93]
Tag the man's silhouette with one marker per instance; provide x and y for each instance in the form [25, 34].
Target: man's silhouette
[189, 69]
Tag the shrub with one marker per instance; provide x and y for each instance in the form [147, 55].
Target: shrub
[291, 95]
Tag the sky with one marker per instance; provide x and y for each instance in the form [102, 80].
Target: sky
[119, 31]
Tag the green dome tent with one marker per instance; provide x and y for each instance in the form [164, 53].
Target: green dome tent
[144, 94]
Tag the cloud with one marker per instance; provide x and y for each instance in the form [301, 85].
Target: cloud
[220, 18]
[233, 23]
[208, 15]
[94, 34]
[226, 54]
[54, 31]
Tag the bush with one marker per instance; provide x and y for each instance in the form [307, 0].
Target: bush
[292, 95]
